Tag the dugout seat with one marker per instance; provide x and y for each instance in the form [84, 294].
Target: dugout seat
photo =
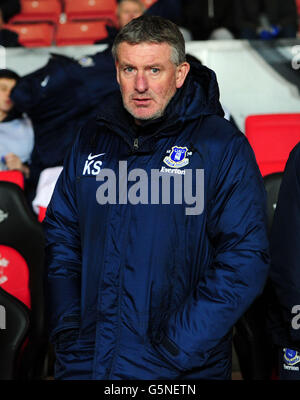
[251, 339]
[80, 33]
[252, 343]
[272, 137]
[81, 10]
[21, 272]
[13, 176]
[33, 35]
[38, 11]
[14, 327]
[298, 6]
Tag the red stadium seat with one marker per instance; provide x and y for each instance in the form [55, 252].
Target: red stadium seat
[14, 274]
[13, 176]
[38, 11]
[22, 271]
[33, 35]
[298, 6]
[42, 213]
[272, 137]
[80, 33]
[90, 9]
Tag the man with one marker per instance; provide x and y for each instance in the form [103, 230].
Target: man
[139, 284]
[126, 11]
[129, 9]
[16, 133]
[284, 272]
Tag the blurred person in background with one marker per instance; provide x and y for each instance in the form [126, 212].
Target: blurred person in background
[266, 19]
[126, 11]
[130, 9]
[16, 133]
[285, 273]
[209, 19]
[8, 9]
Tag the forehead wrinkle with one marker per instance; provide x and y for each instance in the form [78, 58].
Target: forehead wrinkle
[148, 53]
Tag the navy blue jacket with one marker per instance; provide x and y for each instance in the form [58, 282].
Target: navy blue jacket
[285, 256]
[145, 291]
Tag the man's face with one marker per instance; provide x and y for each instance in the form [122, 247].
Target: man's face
[6, 86]
[148, 78]
[128, 10]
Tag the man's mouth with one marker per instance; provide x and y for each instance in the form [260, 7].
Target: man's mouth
[142, 102]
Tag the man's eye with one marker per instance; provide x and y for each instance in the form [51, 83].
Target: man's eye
[128, 69]
[155, 70]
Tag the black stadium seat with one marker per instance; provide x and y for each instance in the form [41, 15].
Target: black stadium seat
[20, 231]
[14, 327]
[251, 339]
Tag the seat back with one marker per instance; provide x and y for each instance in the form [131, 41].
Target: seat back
[13, 176]
[298, 6]
[272, 137]
[251, 339]
[90, 9]
[33, 35]
[20, 230]
[252, 343]
[80, 33]
[14, 327]
[14, 274]
[38, 11]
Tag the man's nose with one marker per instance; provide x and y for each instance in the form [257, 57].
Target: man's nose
[141, 83]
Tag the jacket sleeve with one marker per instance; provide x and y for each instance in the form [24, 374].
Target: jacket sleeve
[237, 229]
[63, 253]
[285, 249]
[10, 8]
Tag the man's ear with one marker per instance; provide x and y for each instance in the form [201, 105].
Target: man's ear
[117, 71]
[181, 73]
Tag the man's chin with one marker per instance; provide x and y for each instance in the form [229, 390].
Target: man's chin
[145, 116]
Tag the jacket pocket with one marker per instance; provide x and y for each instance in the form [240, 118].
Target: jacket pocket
[73, 357]
[161, 366]
[65, 338]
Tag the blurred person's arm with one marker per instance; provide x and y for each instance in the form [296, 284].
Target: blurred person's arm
[13, 162]
[8, 9]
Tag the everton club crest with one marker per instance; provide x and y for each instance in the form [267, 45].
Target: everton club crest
[177, 157]
[291, 357]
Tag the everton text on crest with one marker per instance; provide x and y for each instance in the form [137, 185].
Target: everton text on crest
[158, 187]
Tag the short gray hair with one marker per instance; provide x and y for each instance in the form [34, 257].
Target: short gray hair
[152, 29]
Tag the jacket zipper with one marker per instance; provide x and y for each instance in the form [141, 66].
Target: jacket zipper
[136, 144]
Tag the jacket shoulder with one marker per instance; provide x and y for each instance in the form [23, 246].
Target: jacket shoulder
[219, 133]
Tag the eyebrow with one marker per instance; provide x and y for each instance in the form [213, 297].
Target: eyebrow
[154, 65]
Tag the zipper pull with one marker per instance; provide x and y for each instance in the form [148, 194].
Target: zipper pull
[136, 144]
